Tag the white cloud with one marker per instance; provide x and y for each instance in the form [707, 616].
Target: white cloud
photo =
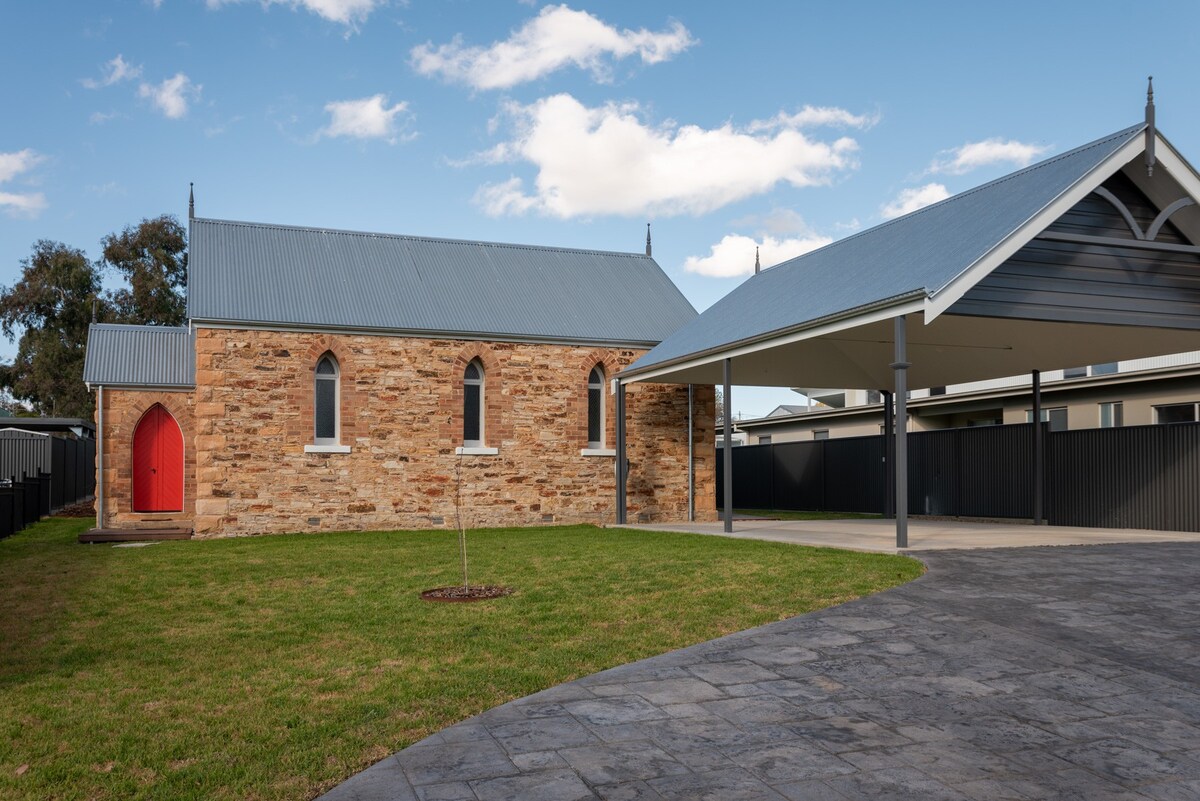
[815, 117]
[172, 96]
[912, 199]
[557, 37]
[20, 204]
[734, 254]
[607, 161]
[974, 155]
[114, 71]
[347, 12]
[368, 118]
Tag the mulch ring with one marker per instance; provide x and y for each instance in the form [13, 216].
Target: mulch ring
[461, 594]
[81, 509]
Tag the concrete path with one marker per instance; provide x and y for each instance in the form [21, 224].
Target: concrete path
[1033, 673]
[923, 535]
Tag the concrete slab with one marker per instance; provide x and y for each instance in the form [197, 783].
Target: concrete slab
[879, 535]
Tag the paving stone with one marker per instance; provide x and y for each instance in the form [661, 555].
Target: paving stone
[788, 761]
[542, 734]
[1125, 762]
[729, 785]
[537, 760]
[450, 791]
[848, 734]
[740, 671]
[621, 762]
[609, 711]
[383, 781]
[1187, 790]
[688, 690]
[809, 790]
[894, 784]
[627, 791]
[552, 785]
[435, 764]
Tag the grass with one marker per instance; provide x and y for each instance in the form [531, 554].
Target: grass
[276, 667]
[787, 514]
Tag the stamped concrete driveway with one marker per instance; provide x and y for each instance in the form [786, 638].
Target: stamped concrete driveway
[1025, 673]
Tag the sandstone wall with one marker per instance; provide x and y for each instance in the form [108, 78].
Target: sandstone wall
[401, 416]
[122, 411]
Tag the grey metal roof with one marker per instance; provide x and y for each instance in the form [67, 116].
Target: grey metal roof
[140, 355]
[309, 277]
[920, 252]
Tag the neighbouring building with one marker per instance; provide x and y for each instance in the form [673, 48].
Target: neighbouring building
[1151, 391]
[333, 380]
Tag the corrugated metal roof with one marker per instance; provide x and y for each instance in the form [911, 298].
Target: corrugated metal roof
[278, 275]
[921, 252]
[140, 355]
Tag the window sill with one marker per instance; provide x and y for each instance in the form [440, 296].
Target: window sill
[476, 451]
[326, 448]
[598, 452]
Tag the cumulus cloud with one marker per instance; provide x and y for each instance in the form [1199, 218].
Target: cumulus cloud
[974, 155]
[605, 160]
[556, 38]
[734, 254]
[112, 72]
[347, 12]
[368, 118]
[12, 165]
[172, 96]
[912, 199]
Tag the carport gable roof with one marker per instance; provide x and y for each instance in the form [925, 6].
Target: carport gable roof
[909, 260]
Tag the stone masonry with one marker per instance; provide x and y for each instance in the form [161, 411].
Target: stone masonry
[401, 403]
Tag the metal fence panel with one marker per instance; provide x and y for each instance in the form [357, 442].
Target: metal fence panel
[799, 471]
[854, 474]
[1136, 477]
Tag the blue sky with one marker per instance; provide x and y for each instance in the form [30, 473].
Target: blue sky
[777, 124]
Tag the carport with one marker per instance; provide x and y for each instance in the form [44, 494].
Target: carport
[1086, 258]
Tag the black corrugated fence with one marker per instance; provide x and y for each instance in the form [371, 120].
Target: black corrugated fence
[1136, 477]
[41, 473]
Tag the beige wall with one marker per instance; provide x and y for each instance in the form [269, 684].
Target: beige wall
[401, 400]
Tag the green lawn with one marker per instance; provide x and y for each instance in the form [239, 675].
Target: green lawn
[276, 667]
[787, 514]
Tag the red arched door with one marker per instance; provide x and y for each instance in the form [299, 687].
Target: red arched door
[157, 463]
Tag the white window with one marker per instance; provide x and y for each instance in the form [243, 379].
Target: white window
[764, 439]
[595, 408]
[473, 405]
[1112, 415]
[1056, 417]
[325, 401]
[822, 434]
[1175, 413]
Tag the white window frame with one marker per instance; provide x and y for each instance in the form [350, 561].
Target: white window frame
[1116, 413]
[476, 447]
[328, 444]
[1158, 413]
[598, 386]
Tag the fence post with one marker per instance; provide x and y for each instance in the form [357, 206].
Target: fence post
[1039, 446]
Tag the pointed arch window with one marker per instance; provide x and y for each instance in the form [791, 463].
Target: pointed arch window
[325, 401]
[595, 408]
[473, 405]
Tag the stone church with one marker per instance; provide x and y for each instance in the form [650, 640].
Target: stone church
[335, 380]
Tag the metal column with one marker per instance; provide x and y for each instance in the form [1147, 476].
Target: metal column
[728, 451]
[99, 457]
[900, 367]
[622, 467]
[1039, 445]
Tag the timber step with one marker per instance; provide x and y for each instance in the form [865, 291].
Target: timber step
[134, 534]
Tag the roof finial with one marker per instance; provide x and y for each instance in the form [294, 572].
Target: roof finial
[1150, 133]
[647, 239]
[191, 201]
[757, 265]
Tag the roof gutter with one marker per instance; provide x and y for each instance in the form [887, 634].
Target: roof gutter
[810, 329]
